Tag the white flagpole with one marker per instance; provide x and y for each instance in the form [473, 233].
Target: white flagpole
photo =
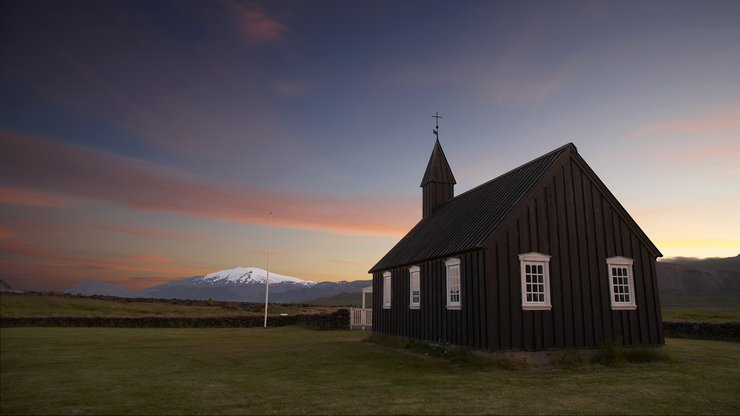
[267, 280]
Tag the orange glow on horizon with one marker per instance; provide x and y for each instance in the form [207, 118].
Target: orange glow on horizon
[698, 248]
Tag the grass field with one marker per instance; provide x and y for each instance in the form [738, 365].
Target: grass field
[701, 314]
[675, 300]
[296, 371]
[12, 305]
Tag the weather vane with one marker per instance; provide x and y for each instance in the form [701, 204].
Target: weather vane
[436, 127]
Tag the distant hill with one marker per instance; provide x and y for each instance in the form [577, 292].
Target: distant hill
[4, 287]
[342, 299]
[690, 282]
[699, 276]
[89, 287]
[728, 264]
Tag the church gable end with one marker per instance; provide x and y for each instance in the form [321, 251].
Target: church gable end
[572, 217]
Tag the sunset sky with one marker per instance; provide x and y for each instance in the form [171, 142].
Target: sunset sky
[147, 141]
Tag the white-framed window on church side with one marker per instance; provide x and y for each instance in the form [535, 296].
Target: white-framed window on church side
[621, 283]
[535, 275]
[414, 287]
[386, 290]
[454, 295]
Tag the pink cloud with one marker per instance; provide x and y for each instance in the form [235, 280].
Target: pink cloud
[519, 82]
[527, 91]
[152, 259]
[144, 186]
[255, 26]
[41, 228]
[36, 228]
[706, 152]
[24, 248]
[51, 256]
[27, 197]
[718, 121]
[6, 232]
[153, 232]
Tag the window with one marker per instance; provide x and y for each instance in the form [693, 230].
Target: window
[386, 290]
[453, 283]
[414, 288]
[535, 274]
[621, 283]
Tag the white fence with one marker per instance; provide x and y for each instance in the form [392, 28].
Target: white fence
[361, 318]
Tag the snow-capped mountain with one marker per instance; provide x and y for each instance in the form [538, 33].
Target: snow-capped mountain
[243, 284]
[248, 275]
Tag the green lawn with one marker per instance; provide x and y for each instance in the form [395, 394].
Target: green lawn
[701, 314]
[12, 305]
[297, 371]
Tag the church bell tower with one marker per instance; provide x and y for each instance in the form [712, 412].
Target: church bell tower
[438, 183]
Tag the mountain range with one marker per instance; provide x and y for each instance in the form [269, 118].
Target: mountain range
[689, 282]
[709, 280]
[241, 284]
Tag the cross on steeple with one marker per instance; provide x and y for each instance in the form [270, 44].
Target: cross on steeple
[436, 127]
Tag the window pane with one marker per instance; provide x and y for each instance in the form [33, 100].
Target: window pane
[386, 290]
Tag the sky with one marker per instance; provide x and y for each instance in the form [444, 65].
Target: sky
[146, 141]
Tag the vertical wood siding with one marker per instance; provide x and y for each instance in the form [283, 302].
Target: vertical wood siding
[432, 321]
[570, 219]
[435, 194]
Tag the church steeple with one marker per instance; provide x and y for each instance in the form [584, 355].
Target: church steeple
[438, 182]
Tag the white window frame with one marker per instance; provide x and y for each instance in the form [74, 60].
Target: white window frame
[536, 260]
[414, 273]
[451, 265]
[387, 290]
[623, 263]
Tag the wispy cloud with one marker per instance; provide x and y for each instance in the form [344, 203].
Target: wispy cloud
[48, 256]
[157, 233]
[41, 228]
[528, 90]
[291, 88]
[255, 25]
[27, 197]
[144, 186]
[151, 259]
[711, 152]
[151, 92]
[720, 120]
[710, 139]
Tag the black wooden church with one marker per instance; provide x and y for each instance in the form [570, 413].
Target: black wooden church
[541, 257]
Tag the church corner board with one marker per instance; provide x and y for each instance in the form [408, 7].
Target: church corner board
[541, 257]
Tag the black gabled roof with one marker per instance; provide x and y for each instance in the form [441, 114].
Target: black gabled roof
[438, 170]
[465, 222]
